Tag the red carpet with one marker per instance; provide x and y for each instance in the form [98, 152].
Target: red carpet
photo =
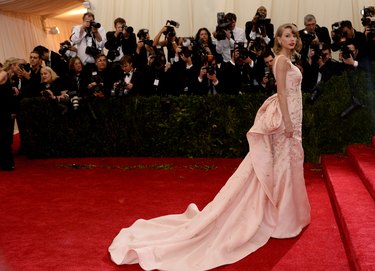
[353, 204]
[62, 214]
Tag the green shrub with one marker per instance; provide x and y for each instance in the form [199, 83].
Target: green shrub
[189, 126]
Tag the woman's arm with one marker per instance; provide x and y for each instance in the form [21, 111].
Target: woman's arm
[281, 68]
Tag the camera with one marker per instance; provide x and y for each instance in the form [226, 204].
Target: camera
[64, 47]
[144, 36]
[98, 89]
[256, 48]
[75, 102]
[210, 65]
[119, 89]
[112, 54]
[339, 36]
[92, 51]
[367, 16]
[345, 51]
[127, 29]
[170, 32]
[186, 46]
[222, 26]
[307, 37]
[243, 52]
[262, 20]
[95, 24]
[368, 21]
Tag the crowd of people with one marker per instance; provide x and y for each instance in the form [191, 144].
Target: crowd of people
[230, 60]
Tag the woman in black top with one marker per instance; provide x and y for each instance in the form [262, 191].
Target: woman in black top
[7, 112]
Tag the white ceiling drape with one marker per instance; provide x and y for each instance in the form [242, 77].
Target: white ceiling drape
[22, 21]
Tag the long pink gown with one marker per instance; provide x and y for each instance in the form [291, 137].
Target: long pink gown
[265, 197]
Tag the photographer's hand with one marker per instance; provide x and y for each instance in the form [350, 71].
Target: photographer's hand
[96, 33]
[263, 31]
[23, 73]
[255, 21]
[91, 85]
[213, 78]
[129, 86]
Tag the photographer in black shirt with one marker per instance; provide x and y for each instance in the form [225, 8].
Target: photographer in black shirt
[120, 42]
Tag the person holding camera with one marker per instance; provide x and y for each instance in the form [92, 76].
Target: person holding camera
[67, 50]
[260, 27]
[312, 35]
[76, 79]
[144, 50]
[343, 33]
[204, 46]
[368, 21]
[264, 74]
[120, 42]
[207, 82]
[89, 37]
[233, 33]
[129, 82]
[99, 78]
[170, 41]
[52, 86]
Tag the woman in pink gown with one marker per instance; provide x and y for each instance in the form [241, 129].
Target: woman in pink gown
[265, 197]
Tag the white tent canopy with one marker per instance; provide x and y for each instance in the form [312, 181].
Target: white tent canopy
[26, 23]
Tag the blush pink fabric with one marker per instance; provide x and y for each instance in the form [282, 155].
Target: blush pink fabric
[265, 197]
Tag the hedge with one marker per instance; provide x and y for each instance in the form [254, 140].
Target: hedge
[190, 126]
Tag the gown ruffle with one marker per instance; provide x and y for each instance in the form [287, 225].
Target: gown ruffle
[265, 197]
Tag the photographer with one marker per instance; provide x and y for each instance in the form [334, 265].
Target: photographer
[67, 50]
[343, 33]
[144, 49]
[129, 82]
[89, 38]
[203, 46]
[368, 21]
[207, 81]
[232, 71]
[260, 27]
[76, 90]
[120, 42]
[266, 79]
[170, 41]
[52, 86]
[99, 83]
[226, 34]
[312, 35]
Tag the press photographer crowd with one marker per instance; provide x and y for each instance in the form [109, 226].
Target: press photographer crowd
[95, 64]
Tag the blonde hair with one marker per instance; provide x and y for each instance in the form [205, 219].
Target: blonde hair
[52, 72]
[279, 32]
[9, 63]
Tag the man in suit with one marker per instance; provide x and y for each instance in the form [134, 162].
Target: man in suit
[54, 60]
[129, 81]
[313, 35]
